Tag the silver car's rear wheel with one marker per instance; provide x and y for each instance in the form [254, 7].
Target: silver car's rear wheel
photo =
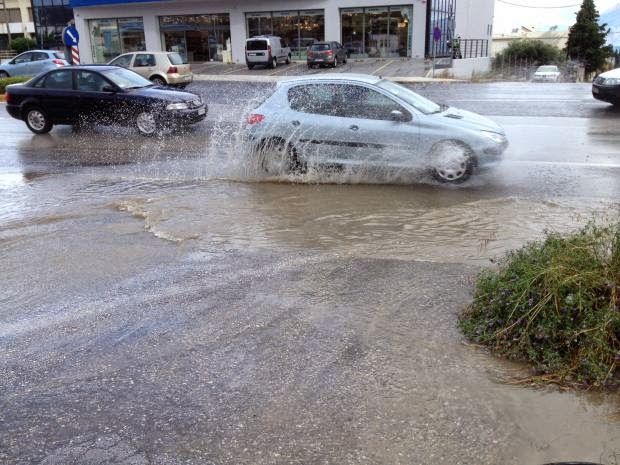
[452, 162]
[276, 158]
[146, 123]
[4, 74]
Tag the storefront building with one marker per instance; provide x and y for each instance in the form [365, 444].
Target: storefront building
[216, 30]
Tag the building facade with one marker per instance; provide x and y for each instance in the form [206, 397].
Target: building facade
[215, 30]
[50, 18]
[15, 21]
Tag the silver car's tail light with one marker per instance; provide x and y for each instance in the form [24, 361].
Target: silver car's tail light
[255, 118]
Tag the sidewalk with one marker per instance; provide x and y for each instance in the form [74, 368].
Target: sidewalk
[402, 70]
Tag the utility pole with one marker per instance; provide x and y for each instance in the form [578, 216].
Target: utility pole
[6, 22]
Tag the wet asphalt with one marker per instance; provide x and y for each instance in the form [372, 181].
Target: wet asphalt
[161, 303]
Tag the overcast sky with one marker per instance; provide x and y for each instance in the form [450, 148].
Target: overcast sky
[508, 17]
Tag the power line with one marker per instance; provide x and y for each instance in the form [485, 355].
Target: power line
[538, 7]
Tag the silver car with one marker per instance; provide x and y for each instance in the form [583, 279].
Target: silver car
[32, 63]
[365, 121]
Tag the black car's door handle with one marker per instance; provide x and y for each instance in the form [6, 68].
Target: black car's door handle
[354, 127]
[295, 123]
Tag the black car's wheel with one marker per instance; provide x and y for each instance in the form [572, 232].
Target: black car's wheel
[146, 123]
[452, 162]
[274, 63]
[4, 75]
[38, 120]
[344, 60]
[250, 66]
[277, 157]
[159, 81]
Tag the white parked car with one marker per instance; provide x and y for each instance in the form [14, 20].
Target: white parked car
[547, 73]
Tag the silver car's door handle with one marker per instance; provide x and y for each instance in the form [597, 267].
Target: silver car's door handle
[354, 127]
[295, 123]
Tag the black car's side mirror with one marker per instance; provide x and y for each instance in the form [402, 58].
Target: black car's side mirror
[108, 88]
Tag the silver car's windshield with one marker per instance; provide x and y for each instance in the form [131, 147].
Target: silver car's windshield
[126, 79]
[417, 101]
[547, 69]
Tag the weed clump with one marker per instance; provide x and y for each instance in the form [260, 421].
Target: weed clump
[556, 304]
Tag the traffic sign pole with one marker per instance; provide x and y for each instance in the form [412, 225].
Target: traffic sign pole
[75, 55]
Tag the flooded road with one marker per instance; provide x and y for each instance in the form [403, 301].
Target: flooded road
[163, 302]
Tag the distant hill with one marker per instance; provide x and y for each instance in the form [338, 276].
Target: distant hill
[612, 19]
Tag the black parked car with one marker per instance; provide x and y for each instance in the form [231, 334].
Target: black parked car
[326, 53]
[102, 94]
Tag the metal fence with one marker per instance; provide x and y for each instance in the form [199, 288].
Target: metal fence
[522, 69]
[474, 48]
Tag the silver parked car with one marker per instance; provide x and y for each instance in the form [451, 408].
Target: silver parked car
[547, 73]
[366, 121]
[161, 68]
[33, 62]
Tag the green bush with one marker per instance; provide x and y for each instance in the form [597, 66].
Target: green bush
[11, 80]
[556, 304]
[534, 51]
[22, 44]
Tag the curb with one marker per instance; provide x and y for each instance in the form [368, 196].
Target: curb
[271, 79]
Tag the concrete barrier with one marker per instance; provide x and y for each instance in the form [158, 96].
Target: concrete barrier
[465, 68]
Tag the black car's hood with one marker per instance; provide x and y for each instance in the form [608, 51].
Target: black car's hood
[163, 93]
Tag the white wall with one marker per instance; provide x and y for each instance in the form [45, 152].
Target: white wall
[150, 13]
[464, 69]
[474, 19]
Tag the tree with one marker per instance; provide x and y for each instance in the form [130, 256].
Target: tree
[22, 44]
[587, 38]
[533, 51]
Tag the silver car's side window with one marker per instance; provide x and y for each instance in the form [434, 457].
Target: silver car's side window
[365, 103]
[319, 99]
[123, 60]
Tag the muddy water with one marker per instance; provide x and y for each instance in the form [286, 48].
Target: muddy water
[78, 219]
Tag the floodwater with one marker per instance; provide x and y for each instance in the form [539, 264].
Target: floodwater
[165, 302]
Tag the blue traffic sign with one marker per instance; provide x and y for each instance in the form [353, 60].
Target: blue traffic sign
[70, 36]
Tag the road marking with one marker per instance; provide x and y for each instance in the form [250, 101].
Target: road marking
[563, 163]
[381, 67]
[234, 70]
[513, 100]
[286, 68]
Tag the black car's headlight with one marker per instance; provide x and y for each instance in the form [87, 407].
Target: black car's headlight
[177, 106]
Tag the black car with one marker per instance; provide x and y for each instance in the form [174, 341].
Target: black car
[606, 87]
[102, 94]
[326, 53]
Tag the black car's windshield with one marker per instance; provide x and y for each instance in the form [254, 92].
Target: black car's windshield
[417, 101]
[126, 79]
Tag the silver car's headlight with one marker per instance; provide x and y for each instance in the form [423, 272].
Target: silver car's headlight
[177, 106]
[495, 136]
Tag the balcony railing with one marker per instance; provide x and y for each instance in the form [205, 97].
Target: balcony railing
[472, 48]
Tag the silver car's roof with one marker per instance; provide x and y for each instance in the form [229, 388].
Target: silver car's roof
[344, 77]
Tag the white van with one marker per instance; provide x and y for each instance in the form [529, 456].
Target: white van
[267, 51]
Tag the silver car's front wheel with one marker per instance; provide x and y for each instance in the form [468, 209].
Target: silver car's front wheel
[452, 162]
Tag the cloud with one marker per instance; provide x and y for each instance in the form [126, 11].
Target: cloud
[508, 16]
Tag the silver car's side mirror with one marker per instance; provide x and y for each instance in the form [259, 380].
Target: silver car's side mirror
[397, 115]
